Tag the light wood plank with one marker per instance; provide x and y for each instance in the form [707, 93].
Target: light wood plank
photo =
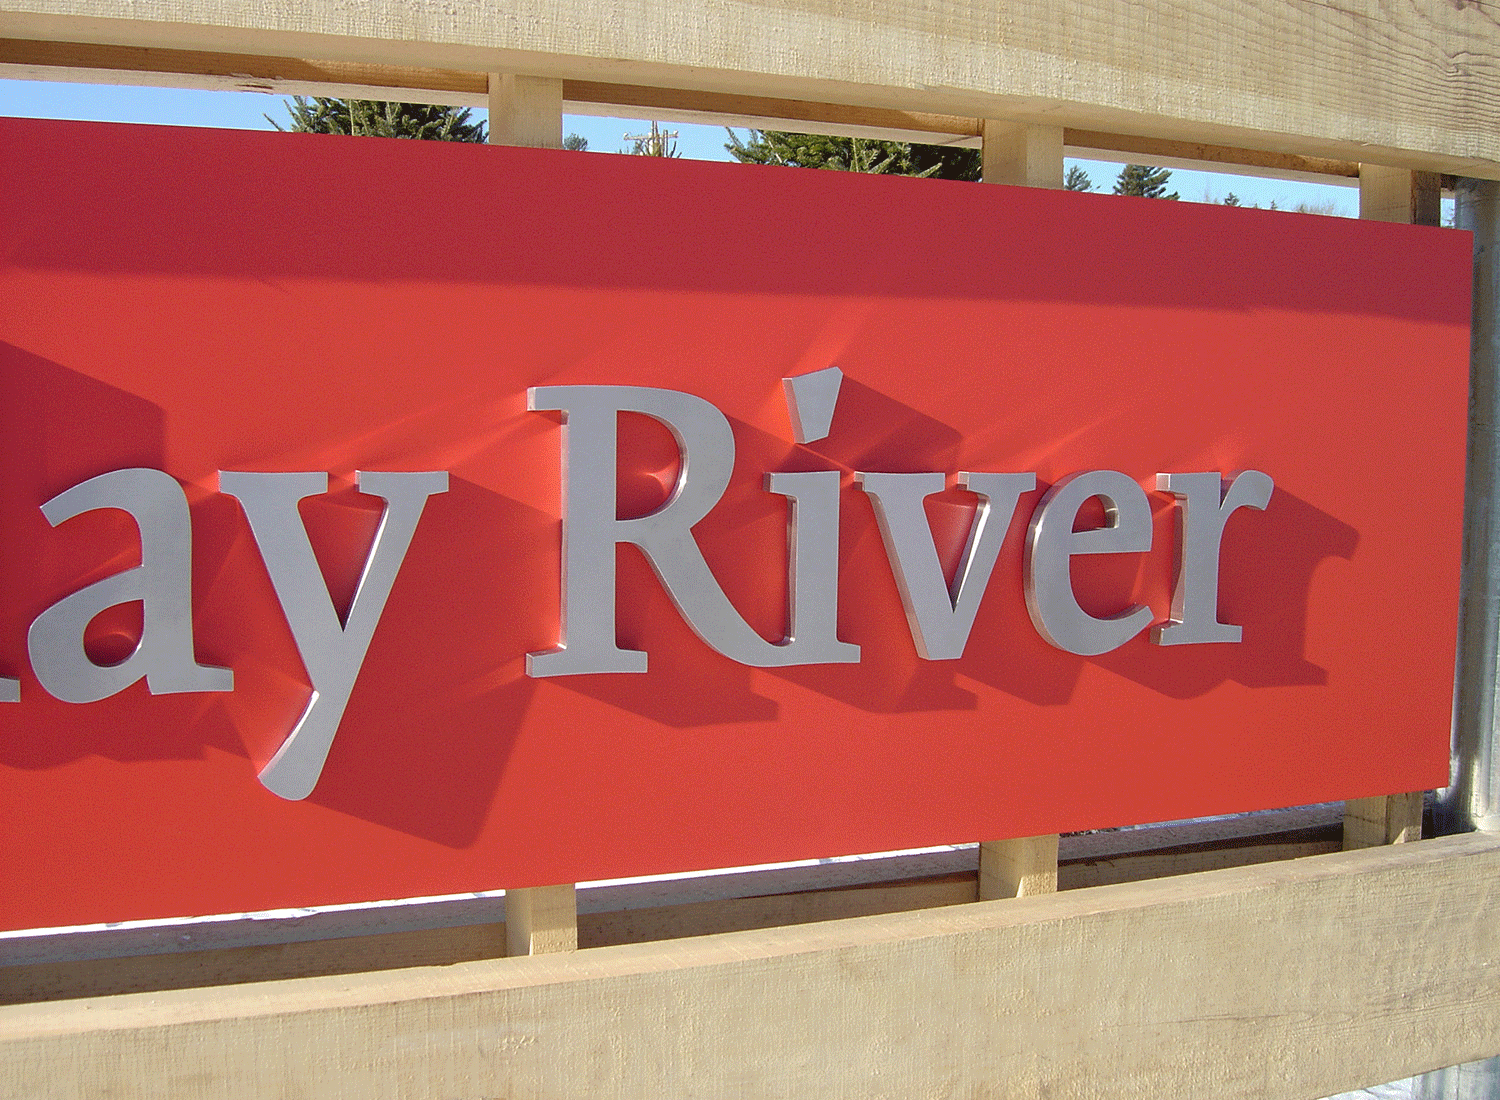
[1163, 151]
[1018, 868]
[50, 981]
[1373, 82]
[773, 911]
[1384, 819]
[541, 920]
[1022, 154]
[1399, 195]
[525, 110]
[92, 63]
[88, 964]
[1364, 822]
[1410, 198]
[1258, 983]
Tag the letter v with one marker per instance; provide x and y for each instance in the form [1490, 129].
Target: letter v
[941, 616]
[331, 651]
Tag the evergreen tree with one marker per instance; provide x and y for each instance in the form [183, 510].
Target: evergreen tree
[1145, 181]
[895, 158]
[576, 142]
[1232, 199]
[367, 117]
[1077, 180]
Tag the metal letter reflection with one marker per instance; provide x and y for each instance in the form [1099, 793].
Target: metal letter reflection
[1204, 509]
[591, 530]
[1051, 543]
[331, 651]
[941, 615]
[810, 399]
[162, 583]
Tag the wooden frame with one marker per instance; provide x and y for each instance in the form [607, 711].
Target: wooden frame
[1375, 83]
[1139, 990]
[172, 955]
[89, 63]
[1277, 980]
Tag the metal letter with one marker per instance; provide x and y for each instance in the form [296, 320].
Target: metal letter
[332, 652]
[590, 531]
[1205, 508]
[1051, 543]
[162, 583]
[810, 399]
[941, 615]
[813, 566]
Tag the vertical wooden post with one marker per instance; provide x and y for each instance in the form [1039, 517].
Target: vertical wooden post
[1023, 155]
[1018, 868]
[1384, 819]
[541, 919]
[525, 110]
[1399, 195]
[1412, 198]
[1026, 156]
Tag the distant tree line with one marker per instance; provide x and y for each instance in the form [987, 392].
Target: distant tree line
[900, 158]
[373, 118]
[423, 121]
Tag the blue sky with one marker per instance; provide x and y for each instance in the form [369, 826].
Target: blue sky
[247, 110]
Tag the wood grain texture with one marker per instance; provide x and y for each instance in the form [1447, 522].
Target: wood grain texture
[526, 111]
[84, 62]
[1384, 819]
[1408, 198]
[541, 920]
[1397, 195]
[1405, 85]
[26, 59]
[98, 965]
[1270, 982]
[51, 981]
[1018, 868]
[1147, 150]
[1021, 154]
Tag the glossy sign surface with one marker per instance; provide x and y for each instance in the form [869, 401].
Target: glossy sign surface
[196, 302]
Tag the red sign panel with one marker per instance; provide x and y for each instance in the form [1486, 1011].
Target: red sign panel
[186, 314]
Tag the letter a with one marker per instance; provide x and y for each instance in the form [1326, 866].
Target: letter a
[162, 583]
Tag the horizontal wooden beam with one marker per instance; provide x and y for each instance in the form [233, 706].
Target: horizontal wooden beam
[1197, 154]
[96, 63]
[92, 63]
[1377, 86]
[1279, 981]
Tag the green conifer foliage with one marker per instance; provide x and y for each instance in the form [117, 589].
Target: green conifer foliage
[895, 158]
[1145, 181]
[370, 118]
[1077, 180]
